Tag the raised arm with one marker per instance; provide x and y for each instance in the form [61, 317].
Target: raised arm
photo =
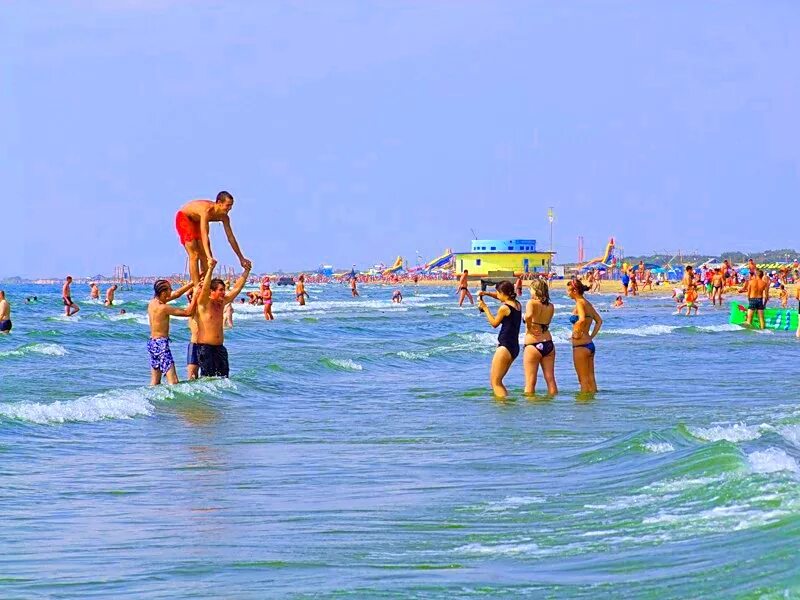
[180, 292]
[494, 320]
[174, 311]
[238, 286]
[203, 296]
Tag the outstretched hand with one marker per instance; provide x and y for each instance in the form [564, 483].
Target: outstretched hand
[246, 264]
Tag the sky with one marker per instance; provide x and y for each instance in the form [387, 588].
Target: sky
[351, 132]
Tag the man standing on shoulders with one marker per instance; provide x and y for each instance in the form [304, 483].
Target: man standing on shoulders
[70, 308]
[5, 314]
[755, 297]
[192, 221]
[211, 353]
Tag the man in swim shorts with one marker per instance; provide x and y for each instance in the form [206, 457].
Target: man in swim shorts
[110, 295]
[211, 353]
[94, 291]
[158, 312]
[70, 308]
[463, 290]
[192, 223]
[755, 298]
[353, 289]
[5, 314]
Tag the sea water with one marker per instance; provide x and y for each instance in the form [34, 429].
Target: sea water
[356, 452]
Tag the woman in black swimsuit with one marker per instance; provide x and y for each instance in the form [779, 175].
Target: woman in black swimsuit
[509, 317]
[539, 348]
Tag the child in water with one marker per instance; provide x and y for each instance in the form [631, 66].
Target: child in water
[618, 303]
[783, 295]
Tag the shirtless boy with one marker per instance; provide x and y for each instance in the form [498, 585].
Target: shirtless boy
[5, 314]
[211, 353]
[192, 221]
[70, 308]
[463, 290]
[94, 291]
[158, 312]
[717, 285]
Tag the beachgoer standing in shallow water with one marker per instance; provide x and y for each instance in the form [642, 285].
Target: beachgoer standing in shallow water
[94, 291]
[5, 314]
[158, 313]
[539, 349]
[110, 295]
[353, 288]
[625, 280]
[212, 356]
[797, 297]
[583, 349]
[70, 308]
[463, 290]
[266, 297]
[717, 286]
[518, 287]
[300, 290]
[509, 317]
[755, 288]
[192, 223]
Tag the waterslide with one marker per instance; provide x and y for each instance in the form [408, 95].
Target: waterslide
[440, 261]
[397, 266]
[605, 259]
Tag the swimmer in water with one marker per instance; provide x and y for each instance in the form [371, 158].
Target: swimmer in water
[397, 296]
[463, 290]
[509, 318]
[300, 290]
[5, 314]
[122, 311]
[192, 223]
[110, 295]
[158, 312]
[618, 303]
[266, 297]
[212, 356]
[583, 348]
[94, 291]
[539, 349]
[70, 308]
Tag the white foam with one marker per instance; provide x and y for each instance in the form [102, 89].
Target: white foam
[346, 363]
[646, 331]
[772, 460]
[738, 432]
[512, 502]
[112, 404]
[659, 447]
[507, 549]
[791, 433]
[46, 349]
[721, 327]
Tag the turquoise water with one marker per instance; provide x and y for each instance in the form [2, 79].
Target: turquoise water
[357, 453]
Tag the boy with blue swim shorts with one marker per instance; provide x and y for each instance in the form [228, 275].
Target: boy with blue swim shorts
[159, 311]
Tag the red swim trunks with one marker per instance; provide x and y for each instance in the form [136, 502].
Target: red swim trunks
[187, 230]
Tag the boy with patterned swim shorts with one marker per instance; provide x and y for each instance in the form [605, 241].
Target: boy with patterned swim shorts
[159, 311]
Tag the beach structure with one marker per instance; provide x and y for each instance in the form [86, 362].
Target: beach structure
[517, 256]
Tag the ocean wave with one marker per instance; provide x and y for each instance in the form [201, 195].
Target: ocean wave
[645, 331]
[738, 432]
[658, 447]
[111, 404]
[344, 364]
[510, 548]
[512, 503]
[772, 460]
[791, 433]
[483, 342]
[45, 349]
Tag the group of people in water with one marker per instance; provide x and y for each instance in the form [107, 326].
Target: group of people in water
[538, 351]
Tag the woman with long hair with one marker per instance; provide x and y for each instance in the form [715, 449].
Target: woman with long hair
[509, 318]
[539, 349]
[582, 341]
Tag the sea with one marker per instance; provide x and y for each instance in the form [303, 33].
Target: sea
[357, 452]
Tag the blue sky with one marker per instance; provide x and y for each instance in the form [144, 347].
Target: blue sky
[351, 132]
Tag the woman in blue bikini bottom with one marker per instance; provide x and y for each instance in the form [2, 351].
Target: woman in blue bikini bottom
[583, 349]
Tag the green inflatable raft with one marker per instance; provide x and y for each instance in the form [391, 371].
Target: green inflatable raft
[781, 319]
